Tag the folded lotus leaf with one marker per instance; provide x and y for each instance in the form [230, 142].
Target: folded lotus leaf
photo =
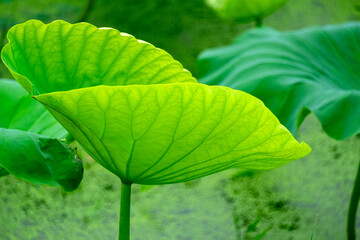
[29, 144]
[245, 10]
[146, 132]
[315, 69]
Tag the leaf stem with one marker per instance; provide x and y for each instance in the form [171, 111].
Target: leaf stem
[125, 200]
[354, 203]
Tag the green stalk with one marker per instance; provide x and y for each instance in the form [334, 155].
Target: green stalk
[354, 203]
[124, 224]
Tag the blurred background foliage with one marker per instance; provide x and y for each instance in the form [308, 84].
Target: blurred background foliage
[183, 28]
[306, 199]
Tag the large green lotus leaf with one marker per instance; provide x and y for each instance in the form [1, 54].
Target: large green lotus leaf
[245, 10]
[168, 133]
[315, 69]
[29, 145]
[61, 56]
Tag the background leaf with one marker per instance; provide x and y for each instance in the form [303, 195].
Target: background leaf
[20, 111]
[39, 159]
[168, 133]
[29, 145]
[245, 10]
[81, 55]
[315, 69]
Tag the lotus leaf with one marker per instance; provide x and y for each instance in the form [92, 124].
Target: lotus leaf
[29, 145]
[168, 133]
[162, 127]
[314, 69]
[245, 10]
[148, 134]
[61, 56]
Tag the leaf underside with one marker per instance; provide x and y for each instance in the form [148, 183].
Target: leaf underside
[294, 73]
[29, 148]
[168, 133]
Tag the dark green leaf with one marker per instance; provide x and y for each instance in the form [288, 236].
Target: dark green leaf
[20, 111]
[39, 159]
[27, 154]
[315, 69]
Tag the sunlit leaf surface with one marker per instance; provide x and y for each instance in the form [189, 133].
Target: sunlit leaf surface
[315, 69]
[29, 145]
[245, 10]
[62, 56]
[167, 133]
